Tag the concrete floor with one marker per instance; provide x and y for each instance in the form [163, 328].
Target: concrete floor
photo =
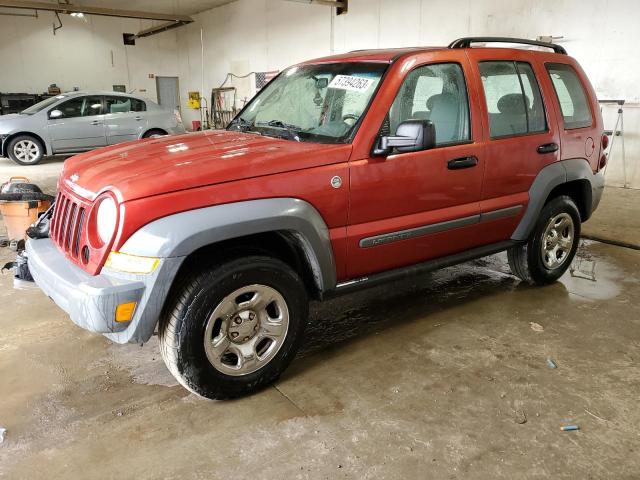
[443, 376]
[617, 218]
[434, 375]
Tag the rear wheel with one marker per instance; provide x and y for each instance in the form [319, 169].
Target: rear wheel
[233, 327]
[551, 246]
[25, 150]
[154, 133]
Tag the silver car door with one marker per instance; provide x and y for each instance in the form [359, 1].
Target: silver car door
[77, 124]
[125, 119]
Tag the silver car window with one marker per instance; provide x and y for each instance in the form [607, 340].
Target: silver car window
[124, 104]
[81, 107]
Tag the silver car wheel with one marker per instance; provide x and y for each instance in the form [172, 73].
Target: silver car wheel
[557, 240]
[27, 151]
[246, 330]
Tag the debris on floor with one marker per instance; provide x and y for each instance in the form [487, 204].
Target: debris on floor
[22, 278]
[551, 363]
[536, 327]
[521, 417]
[3, 431]
[569, 428]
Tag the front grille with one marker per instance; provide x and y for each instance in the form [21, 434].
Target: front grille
[67, 224]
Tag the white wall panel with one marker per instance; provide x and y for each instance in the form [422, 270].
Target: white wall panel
[86, 54]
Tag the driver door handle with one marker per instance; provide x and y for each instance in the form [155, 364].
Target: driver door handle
[138, 118]
[96, 122]
[548, 148]
[464, 162]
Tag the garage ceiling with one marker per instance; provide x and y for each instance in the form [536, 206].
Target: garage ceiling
[179, 7]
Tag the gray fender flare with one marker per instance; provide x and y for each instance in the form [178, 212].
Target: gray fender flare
[180, 234]
[549, 178]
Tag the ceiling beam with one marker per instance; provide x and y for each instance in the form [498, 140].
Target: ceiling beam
[67, 8]
[159, 29]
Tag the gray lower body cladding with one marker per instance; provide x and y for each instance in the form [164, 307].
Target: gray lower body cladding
[551, 177]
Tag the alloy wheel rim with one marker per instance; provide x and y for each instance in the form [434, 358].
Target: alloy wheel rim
[246, 330]
[557, 241]
[26, 151]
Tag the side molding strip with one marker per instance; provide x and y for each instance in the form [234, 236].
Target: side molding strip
[391, 237]
[417, 231]
[502, 213]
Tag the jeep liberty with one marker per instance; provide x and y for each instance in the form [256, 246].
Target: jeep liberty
[341, 173]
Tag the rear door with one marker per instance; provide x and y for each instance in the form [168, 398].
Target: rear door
[81, 126]
[125, 119]
[577, 114]
[521, 134]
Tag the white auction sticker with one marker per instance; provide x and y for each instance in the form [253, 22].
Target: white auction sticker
[348, 82]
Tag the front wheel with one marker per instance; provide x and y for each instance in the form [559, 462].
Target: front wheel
[552, 245]
[25, 150]
[233, 327]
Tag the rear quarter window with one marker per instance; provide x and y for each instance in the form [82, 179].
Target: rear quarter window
[138, 105]
[572, 98]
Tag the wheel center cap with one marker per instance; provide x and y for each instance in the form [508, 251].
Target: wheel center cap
[243, 326]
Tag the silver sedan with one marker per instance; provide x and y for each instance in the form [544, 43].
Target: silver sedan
[80, 121]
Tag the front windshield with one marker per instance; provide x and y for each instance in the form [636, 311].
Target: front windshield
[315, 103]
[42, 105]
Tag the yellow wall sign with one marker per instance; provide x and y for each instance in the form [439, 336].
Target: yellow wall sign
[194, 100]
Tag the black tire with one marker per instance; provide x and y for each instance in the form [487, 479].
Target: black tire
[526, 261]
[15, 144]
[200, 291]
[153, 132]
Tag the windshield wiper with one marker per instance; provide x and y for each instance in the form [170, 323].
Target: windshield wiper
[290, 129]
[242, 124]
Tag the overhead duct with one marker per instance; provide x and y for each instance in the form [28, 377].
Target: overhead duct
[341, 6]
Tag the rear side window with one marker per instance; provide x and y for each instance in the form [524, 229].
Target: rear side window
[513, 99]
[571, 96]
[138, 105]
[438, 93]
[124, 105]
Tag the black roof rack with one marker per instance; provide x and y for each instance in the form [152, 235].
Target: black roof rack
[467, 41]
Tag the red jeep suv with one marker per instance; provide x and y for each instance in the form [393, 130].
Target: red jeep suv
[343, 172]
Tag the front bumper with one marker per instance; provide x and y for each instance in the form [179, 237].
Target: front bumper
[91, 301]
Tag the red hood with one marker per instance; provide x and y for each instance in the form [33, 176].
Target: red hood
[154, 166]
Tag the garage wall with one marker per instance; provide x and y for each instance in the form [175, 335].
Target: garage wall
[262, 35]
[86, 54]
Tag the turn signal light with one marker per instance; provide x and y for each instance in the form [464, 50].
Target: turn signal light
[124, 262]
[124, 311]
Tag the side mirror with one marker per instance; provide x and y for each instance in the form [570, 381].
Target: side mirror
[55, 114]
[411, 136]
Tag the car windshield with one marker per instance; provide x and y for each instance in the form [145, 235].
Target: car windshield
[317, 103]
[42, 105]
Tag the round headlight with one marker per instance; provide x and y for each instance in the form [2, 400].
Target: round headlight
[106, 219]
